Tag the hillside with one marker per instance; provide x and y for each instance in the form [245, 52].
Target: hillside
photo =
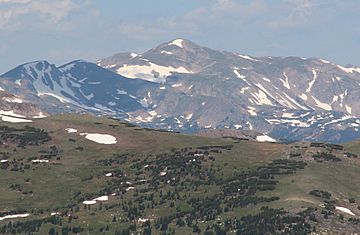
[67, 174]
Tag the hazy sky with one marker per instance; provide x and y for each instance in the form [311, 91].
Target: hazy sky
[63, 30]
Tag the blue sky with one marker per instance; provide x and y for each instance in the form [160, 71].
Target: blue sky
[63, 30]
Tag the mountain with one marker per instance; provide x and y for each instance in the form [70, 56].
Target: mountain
[71, 174]
[75, 87]
[291, 97]
[181, 86]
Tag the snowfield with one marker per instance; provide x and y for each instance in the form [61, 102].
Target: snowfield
[14, 119]
[148, 72]
[13, 100]
[102, 198]
[71, 130]
[40, 115]
[14, 216]
[89, 202]
[345, 210]
[96, 137]
[10, 113]
[40, 161]
[177, 42]
[101, 138]
[92, 202]
[265, 138]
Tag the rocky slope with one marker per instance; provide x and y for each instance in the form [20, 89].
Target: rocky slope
[288, 97]
[15, 109]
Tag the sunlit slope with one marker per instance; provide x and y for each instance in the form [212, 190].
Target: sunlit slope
[102, 174]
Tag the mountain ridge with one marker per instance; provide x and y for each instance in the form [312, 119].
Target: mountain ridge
[182, 86]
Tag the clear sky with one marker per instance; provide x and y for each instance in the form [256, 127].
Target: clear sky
[63, 30]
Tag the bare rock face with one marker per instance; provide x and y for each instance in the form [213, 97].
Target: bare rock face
[182, 86]
[14, 106]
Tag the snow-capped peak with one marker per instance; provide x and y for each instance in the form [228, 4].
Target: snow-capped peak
[177, 42]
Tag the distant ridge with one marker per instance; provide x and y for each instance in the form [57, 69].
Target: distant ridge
[181, 86]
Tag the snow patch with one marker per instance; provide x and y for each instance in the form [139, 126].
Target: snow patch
[266, 79]
[303, 96]
[91, 202]
[61, 99]
[348, 109]
[265, 138]
[176, 85]
[262, 96]
[242, 90]
[151, 72]
[121, 92]
[312, 81]
[349, 70]
[288, 115]
[242, 77]
[177, 42]
[11, 113]
[246, 57]
[188, 117]
[237, 126]
[102, 198]
[286, 81]
[13, 100]
[14, 119]
[94, 83]
[100, 138]
[345, 210]
[252, 110]
[70, 130]
[40, 161]
[40, 115]
[166, 52]
[322, 105]
[325, 61]
[14, 216]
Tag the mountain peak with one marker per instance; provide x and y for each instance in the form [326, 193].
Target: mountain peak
[30, 67]
[177, 42]
[180, 43]
[40, 64]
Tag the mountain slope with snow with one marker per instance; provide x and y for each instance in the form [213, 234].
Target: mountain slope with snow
[275, 95]
[76, 86]
[182, 86]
